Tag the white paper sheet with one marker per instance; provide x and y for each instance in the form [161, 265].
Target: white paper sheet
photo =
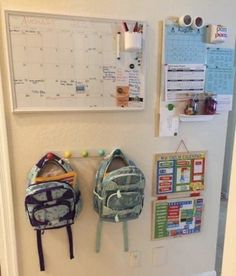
[182, 80]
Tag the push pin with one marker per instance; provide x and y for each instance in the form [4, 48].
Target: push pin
[131, 66]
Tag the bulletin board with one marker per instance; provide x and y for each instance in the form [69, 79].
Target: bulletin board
[192, 68]
[178, 217]
[179, 172]
[184, 58]
[62, 62]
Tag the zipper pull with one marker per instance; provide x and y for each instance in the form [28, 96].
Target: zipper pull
[118, 193]
[117, 218]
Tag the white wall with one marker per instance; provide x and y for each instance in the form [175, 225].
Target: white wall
[229, 263]
[31, 135]
[229, 150]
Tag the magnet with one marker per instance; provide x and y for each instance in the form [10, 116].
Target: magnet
[119, 90]
[170, 107]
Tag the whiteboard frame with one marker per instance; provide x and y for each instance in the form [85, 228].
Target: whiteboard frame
[16, 109]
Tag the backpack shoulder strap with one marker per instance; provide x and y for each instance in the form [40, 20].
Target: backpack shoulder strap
[70, 240]
[40, 247]
[99, 235]
[125, 236]
[40, 250]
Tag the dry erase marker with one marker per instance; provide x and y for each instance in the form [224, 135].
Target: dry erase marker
[140, 28]
[135, 27]
[125, 27]
[118, 46]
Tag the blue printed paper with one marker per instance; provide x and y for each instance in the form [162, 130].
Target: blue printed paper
[220, 71]
[184, 45]
[220, 57]
[220, 80]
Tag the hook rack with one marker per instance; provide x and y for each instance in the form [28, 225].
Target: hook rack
[100, 153]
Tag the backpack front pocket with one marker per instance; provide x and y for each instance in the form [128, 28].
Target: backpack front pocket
[123, 200]
[125, 178]
[51, 214]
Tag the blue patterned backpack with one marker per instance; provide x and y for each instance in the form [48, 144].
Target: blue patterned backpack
[118, 193]
[52, 199]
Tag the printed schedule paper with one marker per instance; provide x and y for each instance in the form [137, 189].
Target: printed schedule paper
[182, 79]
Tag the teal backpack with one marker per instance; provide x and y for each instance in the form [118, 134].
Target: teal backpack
[52, 199]
[118, 193]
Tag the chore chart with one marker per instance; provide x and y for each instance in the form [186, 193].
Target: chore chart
[70, 63]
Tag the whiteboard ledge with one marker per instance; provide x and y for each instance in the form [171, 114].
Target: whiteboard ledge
[92, 109]
[195, 118]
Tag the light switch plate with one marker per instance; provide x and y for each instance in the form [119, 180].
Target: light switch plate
[135, 258]
[159, 256]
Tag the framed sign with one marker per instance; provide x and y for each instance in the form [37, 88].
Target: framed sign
[177, 217]
[179, 172]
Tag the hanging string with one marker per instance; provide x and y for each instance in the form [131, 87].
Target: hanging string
[182, 143]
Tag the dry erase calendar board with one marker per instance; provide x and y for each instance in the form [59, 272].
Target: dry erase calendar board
[70, 63]
[179, 172]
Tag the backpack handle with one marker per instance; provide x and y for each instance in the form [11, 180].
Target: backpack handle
[97, 195]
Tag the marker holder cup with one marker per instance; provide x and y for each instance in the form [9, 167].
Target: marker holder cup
[133, 41]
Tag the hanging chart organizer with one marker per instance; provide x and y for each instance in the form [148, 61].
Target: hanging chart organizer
[179, 172]
[177, 217]
[70, 63]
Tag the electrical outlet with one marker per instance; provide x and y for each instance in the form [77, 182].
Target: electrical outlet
[135, 258]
